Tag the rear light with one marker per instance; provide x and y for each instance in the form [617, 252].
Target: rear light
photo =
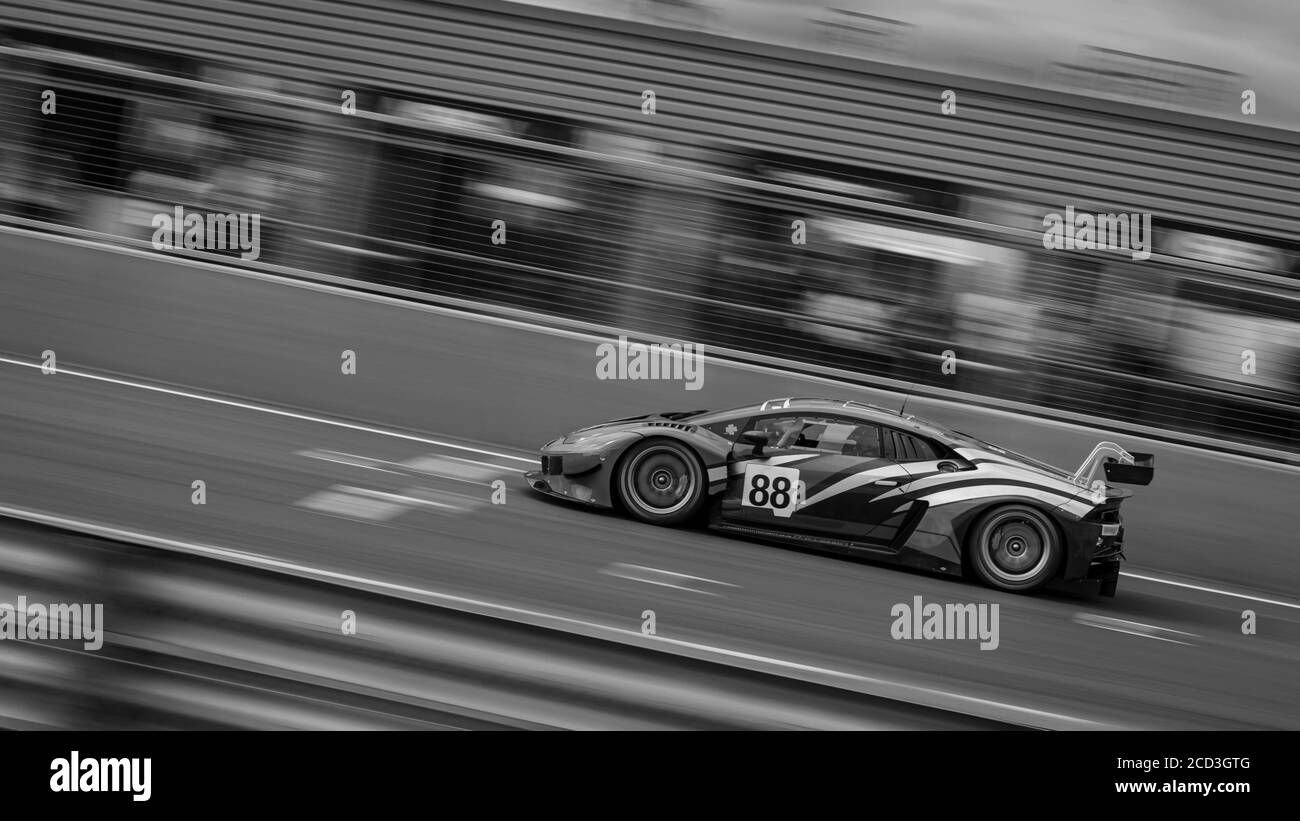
[1108, 515]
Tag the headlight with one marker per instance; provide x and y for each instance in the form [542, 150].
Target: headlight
[596, 440]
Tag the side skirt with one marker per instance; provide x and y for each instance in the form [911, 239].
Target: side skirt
[789, 537]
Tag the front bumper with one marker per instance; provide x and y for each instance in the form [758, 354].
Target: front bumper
[565, 487]
[579, 471]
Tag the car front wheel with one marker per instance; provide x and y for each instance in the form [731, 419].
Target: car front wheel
[662, 482]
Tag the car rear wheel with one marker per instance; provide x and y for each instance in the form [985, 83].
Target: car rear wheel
[1015, 548]
[662, 482]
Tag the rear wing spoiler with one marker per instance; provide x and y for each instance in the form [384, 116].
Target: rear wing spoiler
[1118, 465]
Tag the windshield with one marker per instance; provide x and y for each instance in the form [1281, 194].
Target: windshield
[679, 415]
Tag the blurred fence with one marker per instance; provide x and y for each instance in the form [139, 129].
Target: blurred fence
[772, 204]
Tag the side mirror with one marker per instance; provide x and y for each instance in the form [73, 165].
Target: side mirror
[755, 438]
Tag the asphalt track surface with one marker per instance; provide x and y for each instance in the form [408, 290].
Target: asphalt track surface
[404, 498]
[186, 642]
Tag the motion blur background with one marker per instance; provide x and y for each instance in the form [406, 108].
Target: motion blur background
[924, 229]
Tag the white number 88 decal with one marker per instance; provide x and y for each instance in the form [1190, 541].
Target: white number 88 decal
[776, 488]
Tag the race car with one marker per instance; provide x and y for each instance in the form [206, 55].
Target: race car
[858, 479]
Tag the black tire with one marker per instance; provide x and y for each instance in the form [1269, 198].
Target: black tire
[662, 482]
[1015, 548]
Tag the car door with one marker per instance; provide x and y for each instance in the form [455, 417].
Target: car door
[817, 475]
[930, 468]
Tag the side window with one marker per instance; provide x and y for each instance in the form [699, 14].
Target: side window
[776, 427]
[905, 447]
[864, 442]
[830, 435]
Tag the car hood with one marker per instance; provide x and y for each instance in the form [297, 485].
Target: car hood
[631, 424]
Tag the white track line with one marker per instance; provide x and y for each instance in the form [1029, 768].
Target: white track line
[1215, 590]
[349, 459]
[620, 575]
[672, 573]
[251, 406]
[306, 417]
[634, 572]
[1132, 628]
[1133, 633]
